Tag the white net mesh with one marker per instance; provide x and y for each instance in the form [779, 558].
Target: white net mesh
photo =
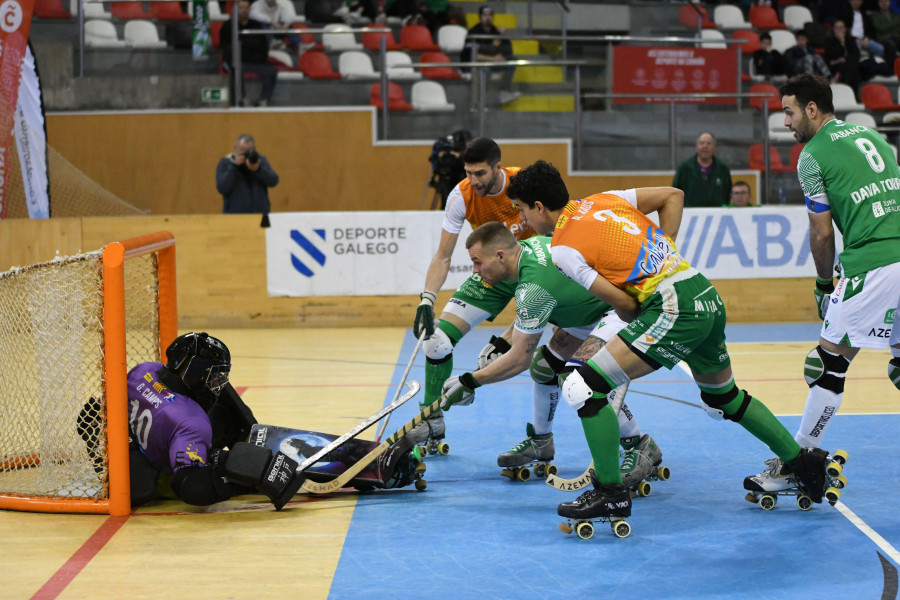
[52, 412]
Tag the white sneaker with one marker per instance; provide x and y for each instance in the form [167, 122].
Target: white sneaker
[771, 479]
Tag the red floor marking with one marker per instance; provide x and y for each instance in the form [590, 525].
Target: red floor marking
[70, 570]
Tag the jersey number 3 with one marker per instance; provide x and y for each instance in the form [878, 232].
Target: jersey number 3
[601, 215]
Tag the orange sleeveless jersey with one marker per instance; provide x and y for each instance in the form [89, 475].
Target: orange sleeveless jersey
[483, 209]
[619, 242]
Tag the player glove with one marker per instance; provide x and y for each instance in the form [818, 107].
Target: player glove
[823, 290]
[459, 391]
[425, 315]
[496, 348]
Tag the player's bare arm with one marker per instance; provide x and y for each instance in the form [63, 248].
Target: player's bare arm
[440, 263]
[667, 202]
[513, 362]
[821, 243]
[626, 307]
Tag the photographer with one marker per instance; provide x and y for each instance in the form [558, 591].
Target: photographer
[447, 168]
[244, 178]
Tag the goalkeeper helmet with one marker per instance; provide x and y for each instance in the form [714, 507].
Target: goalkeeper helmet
[202, 361]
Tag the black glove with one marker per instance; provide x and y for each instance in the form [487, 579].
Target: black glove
[425, 315]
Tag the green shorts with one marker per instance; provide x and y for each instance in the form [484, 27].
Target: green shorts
[684, 319]
[475, 300]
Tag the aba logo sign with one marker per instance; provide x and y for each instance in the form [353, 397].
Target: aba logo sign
[311, 252]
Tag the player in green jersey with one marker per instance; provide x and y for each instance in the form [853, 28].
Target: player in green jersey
[545, 296]
[850, 180]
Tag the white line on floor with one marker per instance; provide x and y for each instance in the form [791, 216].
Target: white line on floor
[870, 533]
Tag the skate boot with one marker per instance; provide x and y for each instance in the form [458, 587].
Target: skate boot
[400, 465]
[429, 434]
[606, 503]
[641, 461]
[535, 450]
[809, 477]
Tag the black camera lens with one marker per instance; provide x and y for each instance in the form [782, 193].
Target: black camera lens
[252, 156]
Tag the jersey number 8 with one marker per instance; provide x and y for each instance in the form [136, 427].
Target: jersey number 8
[871, 153]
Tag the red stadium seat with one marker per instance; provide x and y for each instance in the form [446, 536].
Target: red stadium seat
[438, 72]
[129, 10]
[51, 9]
[316, 65]
[168, 11]
[876, 96]
[765, 17]
[774, 99]
[214, 28]
[308, 40]
[751, 45]
[396, 101]
[372, 41]
[689, 13]
[796, 149]
[775, 164]
[418, 39]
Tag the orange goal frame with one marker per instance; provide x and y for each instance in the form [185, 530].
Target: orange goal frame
[118, 502]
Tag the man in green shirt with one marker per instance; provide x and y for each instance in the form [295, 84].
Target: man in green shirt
[704, 179]
[850, 180]
[545, 296]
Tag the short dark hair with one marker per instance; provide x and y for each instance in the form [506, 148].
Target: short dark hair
[807, 88]
[483, 8]
[741, 183]
[491, 233]
[481, 150]
[540, 181]
[765, 36]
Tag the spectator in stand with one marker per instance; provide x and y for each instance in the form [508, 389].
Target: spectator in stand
[244, 177]
[361, 12]
[497, 50]
[740, 195]
[801, 59]
[254, 55]
[860, 26]
[842, 56]
[278, 15]
[704, 179]
[766, 61]
[318, 12]
[408, 10]
[440, 12]
[886, 24]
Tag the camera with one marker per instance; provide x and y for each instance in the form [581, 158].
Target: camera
[252, 156]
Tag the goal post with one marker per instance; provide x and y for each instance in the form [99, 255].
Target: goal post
[70, 329]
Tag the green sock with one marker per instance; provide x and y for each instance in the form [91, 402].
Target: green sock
[760, 422]
[602, 434]
[436, 375]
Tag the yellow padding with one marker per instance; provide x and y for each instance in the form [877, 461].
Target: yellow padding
[504, 20]
[541, 104]
[538, 74]
[526, 47]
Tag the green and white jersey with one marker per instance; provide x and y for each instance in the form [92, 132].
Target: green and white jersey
[851, 171]
[544, 295]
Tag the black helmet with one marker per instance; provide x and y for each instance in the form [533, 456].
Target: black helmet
[202, 361]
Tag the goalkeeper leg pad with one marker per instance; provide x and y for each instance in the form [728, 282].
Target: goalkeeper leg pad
[274, 475]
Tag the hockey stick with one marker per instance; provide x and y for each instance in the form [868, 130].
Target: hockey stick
[402, 381]
[344, 478]
[616, 398]
[413, 390]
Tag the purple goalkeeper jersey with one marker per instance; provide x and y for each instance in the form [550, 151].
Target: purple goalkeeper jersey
[171, 429]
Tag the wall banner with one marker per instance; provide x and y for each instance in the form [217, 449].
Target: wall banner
[674, 70]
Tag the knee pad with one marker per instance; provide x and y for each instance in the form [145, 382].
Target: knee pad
[713, 403]
[438, 347]
[545, 366]
[825, 369]
[894, 372]
[579, 390]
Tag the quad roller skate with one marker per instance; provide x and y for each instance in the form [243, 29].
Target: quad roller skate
[809, 477]
[534, 452]
[641, 464]
[429, 435]
[609, 503]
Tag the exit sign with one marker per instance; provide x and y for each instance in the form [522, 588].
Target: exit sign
[215, 95]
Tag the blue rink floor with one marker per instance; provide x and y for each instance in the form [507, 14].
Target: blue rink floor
[475, 534]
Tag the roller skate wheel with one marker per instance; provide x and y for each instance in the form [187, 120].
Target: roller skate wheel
[422, 451]
[663, 473]
[443, 448]
[832, 494]
[804, 502]
[643, 489]
[509, 473]
[751, 497]
[420, 469]
[621, 528]
[584, 530]
[432, 447]
[552, 470]
[834, 469]
[539, 470]
[840, 482]
[421, 484]
[841, 456]
[523, 474]
[565, 528]
[767, 501]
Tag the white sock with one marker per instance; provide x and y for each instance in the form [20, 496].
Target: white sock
[821, 406]
[546, 397]
[628, 425]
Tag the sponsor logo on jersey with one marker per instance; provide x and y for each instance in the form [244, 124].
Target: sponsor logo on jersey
[877, 209]
[880, 332]
[889, 316]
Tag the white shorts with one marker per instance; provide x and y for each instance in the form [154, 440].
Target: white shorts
[606, 329]
[863, 309]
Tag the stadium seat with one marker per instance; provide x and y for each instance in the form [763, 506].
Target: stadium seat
[775, 164]
[170, 11]
[399, 67]
[215, 30]
[689, 13]
[714, 37]
[751, 45]
[430, 96]
[334, 41]
[844, 98]
[729, 16]
[215, 12]
[795, 17]
[354, 64]
[451, 38]
[782, 39]
[417, 38]
[143, 34]
[765, 17]
[51, 9]
[96, 10]
[307, 40]
[796, 149]
[438, 72]
[287, 71]
[876, 96]
[317, 65]
[100, 33]
[129, 10]
[372, 41]
[396, 101]
[777, 131]
[860, 118]
[774, 99]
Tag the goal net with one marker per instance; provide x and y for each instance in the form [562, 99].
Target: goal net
[70, 329]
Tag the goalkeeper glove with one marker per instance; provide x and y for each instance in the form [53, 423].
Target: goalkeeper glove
[822, 292]
[459, 391]
[425, 315]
